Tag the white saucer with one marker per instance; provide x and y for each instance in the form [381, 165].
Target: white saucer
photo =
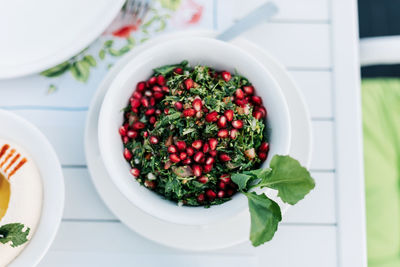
[26, 135]
[194, 238]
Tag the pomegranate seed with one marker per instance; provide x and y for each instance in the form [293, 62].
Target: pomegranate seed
[160, 80]
[122, 131]
[198, 156]
[229, 114]
[197, 144]
[197, 104]
[205, 110]
[158, 112]
[248, 89]
[213, 143]
[157, 89]
[203, 179]
[239, 94]
[174, 158]
[181, 145]
[178, 70]
[145, 102]
[127, 154]
[137, 95]
[135, 110]
[213, 153]
[138, 125]
[221, 185]
[135, 172]
[212, 116]
[166, 111]
[150, 184]
[196, 170]
[150, 111]
[222, 122]
[152, 120]
[187, 161]
[178, 105]
[183, 155]
[206, 148]
[158, 96]
[201, 198]
[148, 93]
[165, 89]
[125, 139]
[226, 76]
[189, 112]
[172, 149]
[262, 156]
[225, 178]
[153, 140]
[132, 134]
[141, 86]
[152, 80]
[209, 160]
[234, 133]
[263, 147]
[258, 115]
[238, 124]
[256, 100]
[224, 157]
[241, 102]
[262, 110]
[135, 103]
[145, 134]
[221, 194]
[223, 133]
[210, 194]
[189, 83]
[230, 192]
[190, 151]
[152, 101]
[207, 168]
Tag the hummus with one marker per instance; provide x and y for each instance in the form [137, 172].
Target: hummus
[21, 194]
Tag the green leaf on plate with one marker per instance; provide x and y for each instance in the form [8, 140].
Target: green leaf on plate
[102, 54]
[14, 233]
[90, 59]
[57, 70]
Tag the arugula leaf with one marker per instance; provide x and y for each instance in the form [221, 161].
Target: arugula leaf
[265, 216]
[14, 233]
[291, 180]
[241, 179]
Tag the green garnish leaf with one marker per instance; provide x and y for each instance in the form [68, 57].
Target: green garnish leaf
[14, 233]
[167, 69]
[241, 179]
[265, 216]
[57, 70]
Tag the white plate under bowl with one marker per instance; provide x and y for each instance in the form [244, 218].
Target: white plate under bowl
[40, 34]
[194, 238]
[219, 55]
[26, 135]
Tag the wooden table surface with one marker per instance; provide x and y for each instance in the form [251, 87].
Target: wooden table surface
[317, 41]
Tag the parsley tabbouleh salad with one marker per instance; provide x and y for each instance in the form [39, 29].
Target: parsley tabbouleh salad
[186, 130]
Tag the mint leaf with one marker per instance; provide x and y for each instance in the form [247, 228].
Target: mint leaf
[13, 233]
[265, 216]
[291, 180]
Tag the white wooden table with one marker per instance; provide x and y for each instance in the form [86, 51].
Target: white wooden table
[317, 40]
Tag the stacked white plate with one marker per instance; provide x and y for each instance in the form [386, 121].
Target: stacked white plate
[196, 238]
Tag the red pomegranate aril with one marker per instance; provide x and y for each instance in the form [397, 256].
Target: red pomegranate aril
[135, 172]
[158, 95]
[206, 148]
[152, 101]
[189, 83]
[145, 102]
[239, 93]
[178, 70]
[137, 95]
[241, 102]
[198, 156]
[152, 120]
[125, 139]
[262, 156]
[229, 192]
[207, 168]
[157, 89]
[197, 104]
[172, 149]
[132, 134]
[213, 143]
[203, 179]
[210, 160]
[138, 125]
[141, 86]
[153, 140]
[221, 185]
[212, 116]
[248, 89]
[224, 157]
[181, 145]
[183, 155]
[222, 122]
[256, 100]
[225, 178]
[263, 147]
[226, 76]
[210, 194]
[229, 114]
[190, 151]
[223, 133]
[238, 124]
[135, 110]
[213, 153]
[145, 134]
[166, 111]
[148, 93]
[150, 111]
[135, 103]
[197, 144]
[189, 112]
[150, 184]
[174, 158]
[234, 133]
[122, 131]
[205, 110]
[196, 170]
[258, 115]
[165, 89]
[152, 80]
[160, 80]
[220, 194]
[201, 198]
[178, 105]
[158, 112]
[262, 110]
[187, 161]
[127, 154]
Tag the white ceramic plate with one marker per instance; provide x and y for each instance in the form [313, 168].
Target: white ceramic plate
[40, 34]
[195, 238]
[26, 135]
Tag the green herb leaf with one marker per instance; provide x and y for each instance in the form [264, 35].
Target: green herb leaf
[167, 69]
[241, 180]
[291, 180]
[102, 54]
[265, 216]
[14, 233]
[57, 70]
[89, 59]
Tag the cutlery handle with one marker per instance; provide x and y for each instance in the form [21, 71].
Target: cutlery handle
[260, 14]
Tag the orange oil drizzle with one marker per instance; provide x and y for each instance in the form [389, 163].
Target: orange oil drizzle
[20, 164]
[12, 162]
[3, 150]
[8, 157]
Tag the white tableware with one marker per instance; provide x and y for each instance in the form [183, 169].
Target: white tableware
[26, 135]
[40, 34]
[197, 50]
[194, 238]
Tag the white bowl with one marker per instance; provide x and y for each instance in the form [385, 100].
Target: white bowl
[197, 50]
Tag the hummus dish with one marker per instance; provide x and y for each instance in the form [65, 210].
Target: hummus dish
[21, 196]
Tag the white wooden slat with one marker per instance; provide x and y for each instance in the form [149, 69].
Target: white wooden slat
[316, 11]
[299, 243]
[323, 146]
